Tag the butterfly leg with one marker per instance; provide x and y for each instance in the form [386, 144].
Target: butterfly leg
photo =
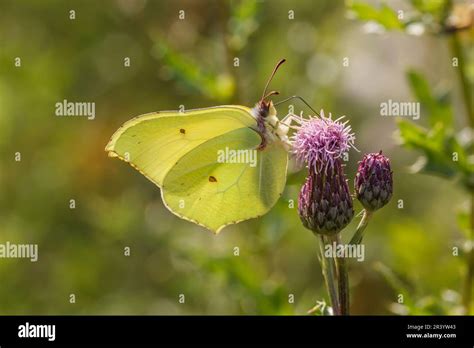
[284, 125]
[290, 118]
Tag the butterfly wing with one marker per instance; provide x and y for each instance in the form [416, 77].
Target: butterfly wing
[201, 189]
[153, 143]
[179, 153]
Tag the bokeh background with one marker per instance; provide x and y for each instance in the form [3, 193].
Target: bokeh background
[190, 62]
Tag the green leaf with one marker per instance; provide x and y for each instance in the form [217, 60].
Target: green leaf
[383, 15]
[463, 219]
[411, 134]
[458, 153]
[437, 107]
[443, 154]
[434, 160]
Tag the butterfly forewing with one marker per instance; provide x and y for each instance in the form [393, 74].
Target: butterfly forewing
[153, 143]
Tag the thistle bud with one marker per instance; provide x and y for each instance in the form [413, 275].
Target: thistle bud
[373, 182]
[325, 204]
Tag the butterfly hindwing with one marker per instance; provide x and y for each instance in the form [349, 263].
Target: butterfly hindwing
[214, 194]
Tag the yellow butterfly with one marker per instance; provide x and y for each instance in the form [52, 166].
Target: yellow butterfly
[215, 166]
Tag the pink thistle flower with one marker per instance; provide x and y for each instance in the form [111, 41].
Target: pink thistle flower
[320, 141]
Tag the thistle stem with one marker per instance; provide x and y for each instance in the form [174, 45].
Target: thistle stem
[343, 278]
[359, 233]
[328, 266]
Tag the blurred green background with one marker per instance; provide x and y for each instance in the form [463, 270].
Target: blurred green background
[190, 62]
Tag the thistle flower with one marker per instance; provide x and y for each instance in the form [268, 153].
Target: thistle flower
[324, 203]
[373, 182]
[319, 142]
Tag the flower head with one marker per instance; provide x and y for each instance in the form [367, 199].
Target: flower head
[373, 182]
[320, 141]
[325, 204]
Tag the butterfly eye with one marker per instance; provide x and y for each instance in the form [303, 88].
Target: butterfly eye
[182, 131]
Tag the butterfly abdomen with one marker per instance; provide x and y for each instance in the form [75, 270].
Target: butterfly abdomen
[261, 112]
[262, 130]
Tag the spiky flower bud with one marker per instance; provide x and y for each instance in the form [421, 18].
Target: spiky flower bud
[325, 204]
[373, 182]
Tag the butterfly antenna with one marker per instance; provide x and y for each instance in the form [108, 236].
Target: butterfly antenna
[269, 94]
[300, 98]
[271, 77]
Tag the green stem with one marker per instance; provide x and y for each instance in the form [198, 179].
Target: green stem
[467, 298]
[330, 277]
[343, 277]
[456, 49]
[359, 233]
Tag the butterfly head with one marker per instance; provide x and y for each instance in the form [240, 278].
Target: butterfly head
[264, 109]
[268, 125]
[265, 114]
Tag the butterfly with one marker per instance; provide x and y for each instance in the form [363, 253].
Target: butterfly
[215, 166]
